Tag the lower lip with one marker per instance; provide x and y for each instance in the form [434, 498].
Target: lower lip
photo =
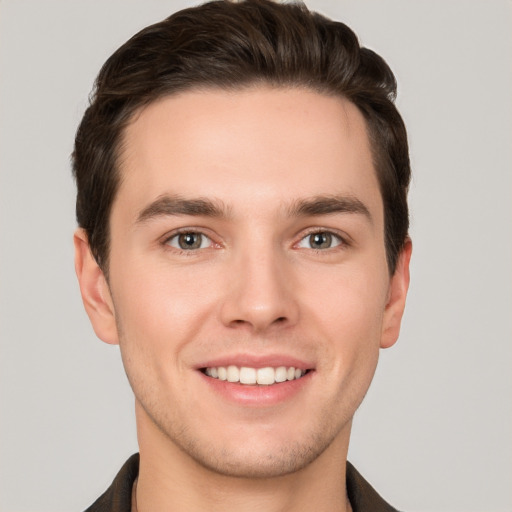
[256, 395]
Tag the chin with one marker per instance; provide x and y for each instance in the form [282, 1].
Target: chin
[260, 452]
[258, 462]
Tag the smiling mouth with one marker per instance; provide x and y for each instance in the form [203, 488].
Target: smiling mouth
[254, 376]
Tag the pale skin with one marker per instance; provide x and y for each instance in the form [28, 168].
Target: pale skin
[275, 193]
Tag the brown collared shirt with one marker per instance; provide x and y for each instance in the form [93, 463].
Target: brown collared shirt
[118, 497]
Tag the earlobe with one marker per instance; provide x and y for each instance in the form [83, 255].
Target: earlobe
[95, 291]
[395, 305]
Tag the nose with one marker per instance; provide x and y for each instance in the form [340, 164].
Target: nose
[260, 293]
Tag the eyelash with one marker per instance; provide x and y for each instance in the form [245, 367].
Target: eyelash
[343, 241]
[188, 252]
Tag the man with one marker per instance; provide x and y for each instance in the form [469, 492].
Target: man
[242, 174]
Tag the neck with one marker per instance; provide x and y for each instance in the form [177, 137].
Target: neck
[170, 479]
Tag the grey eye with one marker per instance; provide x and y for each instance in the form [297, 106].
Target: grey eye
[320, 240]
[189, 241]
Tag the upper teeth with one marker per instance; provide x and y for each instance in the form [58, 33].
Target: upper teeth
[246, 375]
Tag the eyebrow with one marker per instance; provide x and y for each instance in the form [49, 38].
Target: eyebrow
[330, 204]
[169, 205]
[175, 205]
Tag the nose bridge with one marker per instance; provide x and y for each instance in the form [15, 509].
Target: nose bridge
[259, 292]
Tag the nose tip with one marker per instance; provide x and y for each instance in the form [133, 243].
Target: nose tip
[259, 298]
[258, 321]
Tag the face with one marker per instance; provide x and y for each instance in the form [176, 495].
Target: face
[248, 286]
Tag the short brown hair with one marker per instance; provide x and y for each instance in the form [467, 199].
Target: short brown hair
[223, 44]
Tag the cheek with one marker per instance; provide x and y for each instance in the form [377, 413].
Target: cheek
[350, 300]
[355, 333]
[155, 298]
[348, 315]
[157, 314]
[156, 317]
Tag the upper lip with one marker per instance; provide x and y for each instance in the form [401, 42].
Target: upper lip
[257, 361]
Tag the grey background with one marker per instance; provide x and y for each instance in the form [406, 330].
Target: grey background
[434, 433]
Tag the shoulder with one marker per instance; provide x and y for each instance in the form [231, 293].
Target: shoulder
[118, 497]
[362, 496]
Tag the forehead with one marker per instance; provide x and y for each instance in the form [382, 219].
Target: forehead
[275, 143]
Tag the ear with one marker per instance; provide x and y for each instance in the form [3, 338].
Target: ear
[398, 286]
[95, 291]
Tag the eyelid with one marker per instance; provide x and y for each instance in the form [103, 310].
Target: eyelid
[165, 239]
[343, 238]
